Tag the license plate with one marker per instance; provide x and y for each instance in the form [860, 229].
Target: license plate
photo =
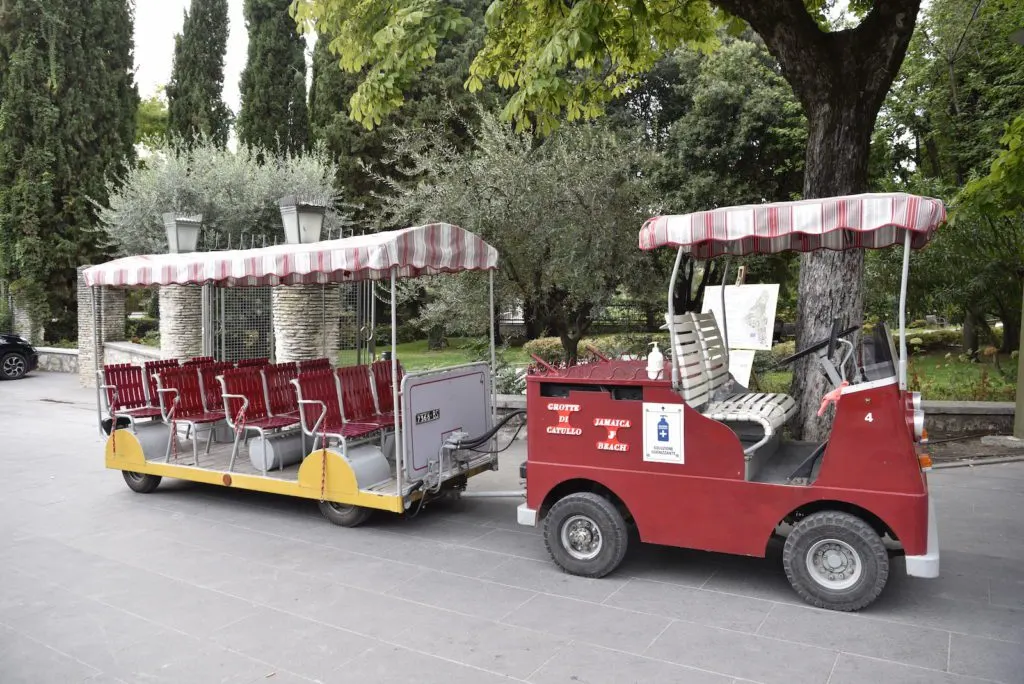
[428, 416]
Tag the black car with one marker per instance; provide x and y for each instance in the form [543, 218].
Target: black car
[17, 357]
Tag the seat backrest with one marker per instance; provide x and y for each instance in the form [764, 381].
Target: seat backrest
[198, 361]
[356, 395]
[127, 380]
[716, 356]
[185, 380]
[381, 372]
[277, 383]
[253, 363]
[211, 388]
[693, 376]
[309, 365]
[319, 386]
[151, 369]
[247, 382]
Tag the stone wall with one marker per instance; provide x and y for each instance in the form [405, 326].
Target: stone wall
[305, 321]
[129, 352]
[99, 321]
[58, 360]
[181, 321]
[23, 326]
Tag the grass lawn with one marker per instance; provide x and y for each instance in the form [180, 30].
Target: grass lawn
[416, 356]
[939, 376]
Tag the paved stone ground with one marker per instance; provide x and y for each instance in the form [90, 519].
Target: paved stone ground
[198, 584]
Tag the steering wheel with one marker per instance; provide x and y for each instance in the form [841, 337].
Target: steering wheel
[830, 342]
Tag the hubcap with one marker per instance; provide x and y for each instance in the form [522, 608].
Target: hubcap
[581, 537]
[14, 366]
[834, 564]
[137, 477]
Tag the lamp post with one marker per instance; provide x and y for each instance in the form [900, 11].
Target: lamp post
[300, 312]
[1018, 417]
[184, 312]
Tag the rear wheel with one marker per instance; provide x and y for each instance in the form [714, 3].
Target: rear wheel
[345, 515]
[140, 482]
[835, 560]
[13, 366]
[586, 535]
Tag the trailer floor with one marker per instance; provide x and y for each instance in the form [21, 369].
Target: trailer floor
[198, 584]
[220, 456]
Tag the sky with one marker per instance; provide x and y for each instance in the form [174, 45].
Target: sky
[156, 22]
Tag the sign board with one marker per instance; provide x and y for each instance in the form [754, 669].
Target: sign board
[663, 433]
[741, 365]
[750, 313]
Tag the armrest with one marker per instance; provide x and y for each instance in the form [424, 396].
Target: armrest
[319, 421]
[227, 411]
[164, 413]
[109, 389]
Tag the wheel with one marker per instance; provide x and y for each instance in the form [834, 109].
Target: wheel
[586, 535]
[835, 560]
[140, 482]
[13, 366]
[344, 514]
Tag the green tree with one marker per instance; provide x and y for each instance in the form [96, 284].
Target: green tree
[195, 105]
[151, 120]
[562, 214]
[274, 114]
[571, 58]
[67, 125]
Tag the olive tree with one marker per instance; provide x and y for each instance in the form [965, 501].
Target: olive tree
[563, 213]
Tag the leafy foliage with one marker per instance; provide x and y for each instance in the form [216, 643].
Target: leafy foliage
[236, 192]
[151, 120]
[67, 126]
[562, 214]
[274, 114]
[196, 108]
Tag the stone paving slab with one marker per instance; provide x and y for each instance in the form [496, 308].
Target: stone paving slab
[198, 584]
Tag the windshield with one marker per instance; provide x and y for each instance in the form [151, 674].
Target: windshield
[879, 354]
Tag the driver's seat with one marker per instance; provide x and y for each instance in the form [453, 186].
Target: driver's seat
[704, 365]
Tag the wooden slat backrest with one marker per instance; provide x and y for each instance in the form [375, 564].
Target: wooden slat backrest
[152, 368]
[277, 380]
[716, 356]
[319, 386]
[310, 365]
[693, 375]
[130, 388]
[254, 363]
[356, 395]
[197, 360]
[185, 380]
[211, 388]
[249, 383]
[381, 372]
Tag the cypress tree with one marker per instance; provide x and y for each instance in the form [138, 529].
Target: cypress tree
[195, 105]
[273, 86]
[67, 124]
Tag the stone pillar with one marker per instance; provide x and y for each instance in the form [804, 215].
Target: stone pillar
[306, 321]
[107, 327]
[25, 327]
[181, 321]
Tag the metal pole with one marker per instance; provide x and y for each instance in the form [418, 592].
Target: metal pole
[371, 344]
[494, 356]
[725, 324]
[903, 310]
[323, 320]
[671, 319]
[96, 332]
[1018, 418]
[223, 331]
[399, 414]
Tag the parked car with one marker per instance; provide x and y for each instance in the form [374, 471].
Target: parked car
[17, 357]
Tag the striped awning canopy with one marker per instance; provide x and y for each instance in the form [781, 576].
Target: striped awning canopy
[420, 250]
[868, 221]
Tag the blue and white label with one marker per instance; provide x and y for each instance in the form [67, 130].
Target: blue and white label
[663, 433]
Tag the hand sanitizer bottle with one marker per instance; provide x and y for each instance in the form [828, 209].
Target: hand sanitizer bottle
[655, 363]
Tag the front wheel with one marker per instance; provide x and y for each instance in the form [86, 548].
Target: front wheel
[13, 366]
[586, 535]
[345, 515]
[140, 482]
[835, 560]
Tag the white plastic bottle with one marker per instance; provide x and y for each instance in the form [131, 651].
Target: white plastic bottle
[655, 363]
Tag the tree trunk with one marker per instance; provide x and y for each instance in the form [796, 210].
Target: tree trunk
[571, 346]
[970, 333]
[841, 78]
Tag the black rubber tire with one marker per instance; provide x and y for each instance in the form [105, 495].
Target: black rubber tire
[610, 525]
[140, 482]
[860, 536]
[345, 514]
[13, 375]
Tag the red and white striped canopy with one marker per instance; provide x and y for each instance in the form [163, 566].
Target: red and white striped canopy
[420, 250]
[859, 221]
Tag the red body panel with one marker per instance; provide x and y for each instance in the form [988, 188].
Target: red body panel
[705, 502]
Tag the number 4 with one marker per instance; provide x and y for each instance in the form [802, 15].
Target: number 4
[869, 418]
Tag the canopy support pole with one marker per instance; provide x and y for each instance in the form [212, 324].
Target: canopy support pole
[725, 324]
[94, 291]
[903, 310]
[494, 356]
[399, 414]
[672, 319]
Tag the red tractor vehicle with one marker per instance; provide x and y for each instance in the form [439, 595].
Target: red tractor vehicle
[691, 459]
